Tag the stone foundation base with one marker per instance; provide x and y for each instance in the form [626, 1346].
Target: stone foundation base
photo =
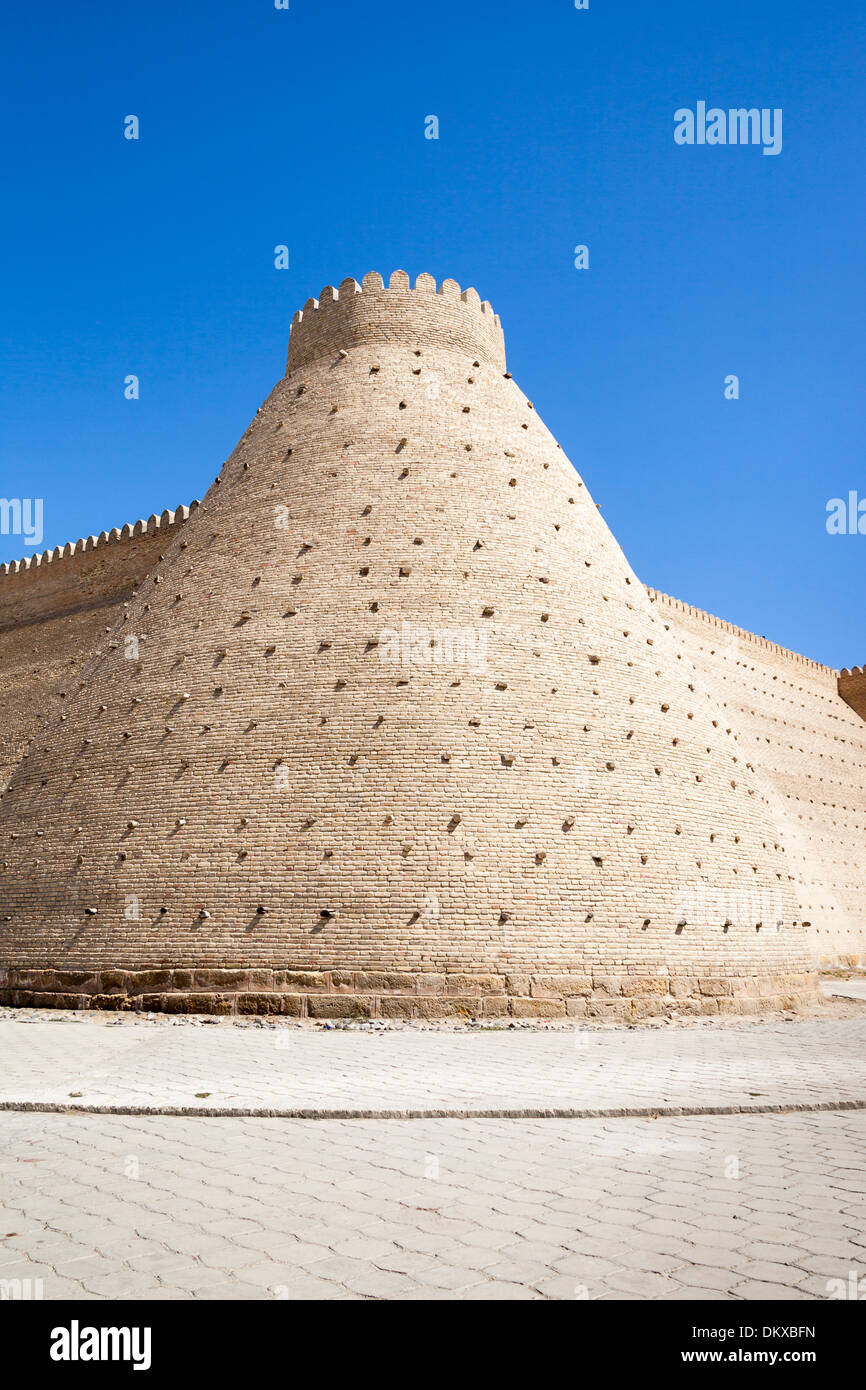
[391, 995]
[843, 963]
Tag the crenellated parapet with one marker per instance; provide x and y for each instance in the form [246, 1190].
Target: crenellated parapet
[84, 573]
[154, 523]
[740, 633]
[355, 315]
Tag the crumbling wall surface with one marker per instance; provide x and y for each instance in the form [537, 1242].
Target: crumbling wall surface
[808, 748]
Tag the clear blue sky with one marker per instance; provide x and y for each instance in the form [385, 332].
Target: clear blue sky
[306, 127]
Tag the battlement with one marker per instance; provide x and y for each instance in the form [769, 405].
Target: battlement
[851, 685]
[85, 573]
[354, 315]
[739, 633]
[153, 524]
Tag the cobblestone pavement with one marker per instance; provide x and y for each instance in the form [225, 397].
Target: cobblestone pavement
[168, 1064]
[741, 1207]
[167, 1205]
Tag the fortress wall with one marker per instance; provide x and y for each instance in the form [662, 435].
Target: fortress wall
[55, 611]
[265, 805]
[852, 688]
[449, 319]
[806, 742]
[263, 813]
[808, 747]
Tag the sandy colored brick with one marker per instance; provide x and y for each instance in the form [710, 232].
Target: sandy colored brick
[388, 716]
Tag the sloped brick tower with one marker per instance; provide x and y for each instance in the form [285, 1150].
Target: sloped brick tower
[392, 727]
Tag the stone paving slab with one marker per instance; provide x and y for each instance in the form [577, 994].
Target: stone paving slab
[845, 989]
[181, 1066]
[733, 1207]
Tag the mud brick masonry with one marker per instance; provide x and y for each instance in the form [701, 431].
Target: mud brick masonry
[218, 795]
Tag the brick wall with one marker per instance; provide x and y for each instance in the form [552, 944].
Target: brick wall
[808, 745]
[283, 803]
[56, 609]
[852, 688]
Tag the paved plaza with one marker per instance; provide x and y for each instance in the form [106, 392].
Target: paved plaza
[711, 1162]
[93, 1061]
